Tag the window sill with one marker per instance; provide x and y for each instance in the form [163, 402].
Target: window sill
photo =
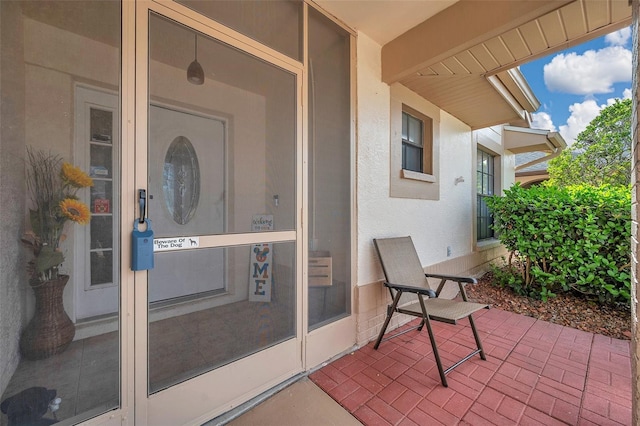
[409, 174]
[487, 244]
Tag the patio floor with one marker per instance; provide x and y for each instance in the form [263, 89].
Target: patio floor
[536, 373]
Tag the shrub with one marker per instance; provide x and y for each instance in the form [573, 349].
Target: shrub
[566, 239]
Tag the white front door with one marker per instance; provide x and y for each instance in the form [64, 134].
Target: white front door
[219, 317]
[186, 197]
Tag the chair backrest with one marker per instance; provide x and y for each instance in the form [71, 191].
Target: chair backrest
[400, 261]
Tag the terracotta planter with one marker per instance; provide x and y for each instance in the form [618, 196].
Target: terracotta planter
[50, 330]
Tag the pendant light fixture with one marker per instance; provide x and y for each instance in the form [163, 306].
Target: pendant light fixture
[195, 73]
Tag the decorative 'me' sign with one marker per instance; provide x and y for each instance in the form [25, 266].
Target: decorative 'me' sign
[260, 265]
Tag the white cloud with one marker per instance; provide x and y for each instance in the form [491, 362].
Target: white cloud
[618, 38]
[590, 73]
[582, 114]
[542, 120]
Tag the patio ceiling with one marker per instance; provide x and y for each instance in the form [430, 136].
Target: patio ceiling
[460, 55]
[459, 58]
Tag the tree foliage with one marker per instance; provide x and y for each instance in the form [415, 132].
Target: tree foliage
[601, 154]
[566, 239]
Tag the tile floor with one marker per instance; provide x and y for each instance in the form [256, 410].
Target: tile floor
[536, 373]
[87, 374]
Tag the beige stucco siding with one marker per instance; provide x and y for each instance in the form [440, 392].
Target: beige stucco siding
[434, 225]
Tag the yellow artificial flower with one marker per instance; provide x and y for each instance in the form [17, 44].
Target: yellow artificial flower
[75, 210]
[75, 177]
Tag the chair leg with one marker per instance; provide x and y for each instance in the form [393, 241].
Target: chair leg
[390, 312]
[425, 320]
[477, 337]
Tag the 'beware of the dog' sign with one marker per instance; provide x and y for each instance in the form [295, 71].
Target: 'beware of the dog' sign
[176, 243]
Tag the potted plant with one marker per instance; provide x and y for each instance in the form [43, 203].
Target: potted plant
[52, 185]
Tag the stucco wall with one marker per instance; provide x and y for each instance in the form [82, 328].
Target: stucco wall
[13, 284]
[433, 225]
[508, 172]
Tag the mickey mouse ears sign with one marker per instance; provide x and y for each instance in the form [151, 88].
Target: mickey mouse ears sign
[260, 264]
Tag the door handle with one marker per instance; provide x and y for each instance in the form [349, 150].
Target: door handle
[142, 202]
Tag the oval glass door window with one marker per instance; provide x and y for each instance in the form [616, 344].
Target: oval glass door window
[181, 180]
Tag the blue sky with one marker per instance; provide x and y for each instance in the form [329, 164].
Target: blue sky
[575, 84]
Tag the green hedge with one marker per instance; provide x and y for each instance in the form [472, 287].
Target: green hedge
[570, 239]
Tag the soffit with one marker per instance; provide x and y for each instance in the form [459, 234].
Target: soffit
[520, 140]
[559, 29]
[383, 20]
[532, 146]
[456, 79]
[470, 98]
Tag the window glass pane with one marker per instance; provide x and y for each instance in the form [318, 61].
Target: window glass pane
[415, 131]
[276, 23]
[51, 53]
[241, 128]
[412, 158]
[101, 267]
[405, 126]
[101, 201]
[101, 232]
[485, 185]
[101, 125]
[181, 180]
[212, 330]
[329, 171]
[101, 161]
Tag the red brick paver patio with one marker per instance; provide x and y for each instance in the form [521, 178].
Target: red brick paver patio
[536, 373]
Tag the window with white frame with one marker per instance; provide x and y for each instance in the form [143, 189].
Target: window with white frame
[485, 188]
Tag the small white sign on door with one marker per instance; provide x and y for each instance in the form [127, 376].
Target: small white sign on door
[176, 243]
[260, 266]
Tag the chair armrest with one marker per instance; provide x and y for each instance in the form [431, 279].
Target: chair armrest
[462, 281]
[466, 280]
[411, 289]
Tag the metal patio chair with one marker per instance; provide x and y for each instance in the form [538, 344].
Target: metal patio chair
[404, 274]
